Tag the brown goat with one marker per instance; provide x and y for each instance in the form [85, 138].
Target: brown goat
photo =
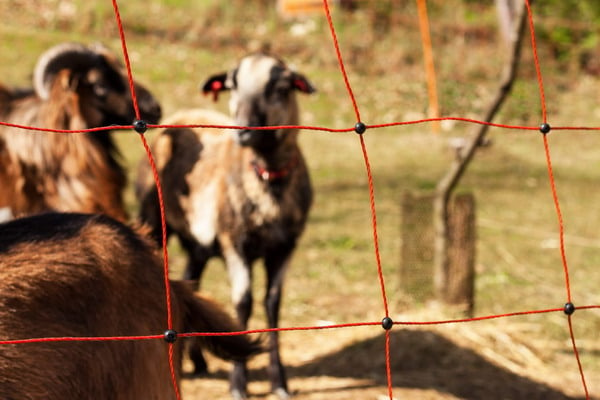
[243, 196]
[81, 275]
[75, 87]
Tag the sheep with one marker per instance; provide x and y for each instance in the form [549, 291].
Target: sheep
[71, 275]
[241, 197]
[74, 87]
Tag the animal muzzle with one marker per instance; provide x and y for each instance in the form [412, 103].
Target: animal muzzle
[151, 113]
[255, 137]
[150, 108]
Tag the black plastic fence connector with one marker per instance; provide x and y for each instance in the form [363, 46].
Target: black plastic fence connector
[545, 128]
[170, 336]
[140, 126]
[387, 323]
[569, 308]
[360, 128]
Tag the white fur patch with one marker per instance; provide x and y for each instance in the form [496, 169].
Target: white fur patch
[6, 214]
[254, 74]
[203, 214]
[239, 275]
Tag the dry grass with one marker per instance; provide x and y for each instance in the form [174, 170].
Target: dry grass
[175, 44]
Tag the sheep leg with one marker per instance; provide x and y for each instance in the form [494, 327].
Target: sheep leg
[241, 294]
[193, 271]
[197, 259]
[276, 263]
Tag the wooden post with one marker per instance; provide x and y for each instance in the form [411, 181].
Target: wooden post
[416, 265]
[459, 286]
[445, 187]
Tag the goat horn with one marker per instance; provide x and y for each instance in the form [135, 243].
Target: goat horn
[66, 55]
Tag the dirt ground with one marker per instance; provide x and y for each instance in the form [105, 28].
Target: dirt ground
[429, 364]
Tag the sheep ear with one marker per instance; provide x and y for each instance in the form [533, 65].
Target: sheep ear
[302, 84]
[214, 85]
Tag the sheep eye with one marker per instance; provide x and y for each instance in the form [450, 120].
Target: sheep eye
[101, 91]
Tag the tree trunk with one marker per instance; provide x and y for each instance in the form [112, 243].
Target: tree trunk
[447, 184]
[507, 18]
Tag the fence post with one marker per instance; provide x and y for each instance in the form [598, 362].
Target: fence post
[416, 259]
[459, 287]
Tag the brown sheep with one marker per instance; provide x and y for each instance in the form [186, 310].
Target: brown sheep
[75, 87]
[81, 275]
[241, 196]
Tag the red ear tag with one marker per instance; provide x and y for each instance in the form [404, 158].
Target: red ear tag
[300, 85]
[216, 87]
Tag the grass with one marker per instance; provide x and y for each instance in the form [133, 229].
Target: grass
[174, 44]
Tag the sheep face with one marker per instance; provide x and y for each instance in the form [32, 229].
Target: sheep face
[99, 82]
[262, 94]
[108, 98]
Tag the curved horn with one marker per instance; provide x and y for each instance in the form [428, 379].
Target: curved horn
[66, 55]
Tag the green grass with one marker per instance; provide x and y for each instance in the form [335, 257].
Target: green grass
[174, 44]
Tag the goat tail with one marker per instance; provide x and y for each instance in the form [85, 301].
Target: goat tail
[204, 315]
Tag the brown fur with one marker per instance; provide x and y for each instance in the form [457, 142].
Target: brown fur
[75, 275]
[66, 171]
[58, 171]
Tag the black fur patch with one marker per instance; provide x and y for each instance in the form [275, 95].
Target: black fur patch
[113, 78]
[234, 79]
[274, 77]
[185, 153]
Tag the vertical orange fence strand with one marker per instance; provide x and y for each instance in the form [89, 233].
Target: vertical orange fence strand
[536, 60]
[360, 130]
[434, 110]
[170, 345]
[340, 60]
[545, 129]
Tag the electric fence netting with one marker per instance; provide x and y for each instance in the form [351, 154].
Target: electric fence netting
[362, 129]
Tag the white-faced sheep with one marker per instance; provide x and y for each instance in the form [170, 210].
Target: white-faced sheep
[82, 275]
[74, 87]
[243, 196]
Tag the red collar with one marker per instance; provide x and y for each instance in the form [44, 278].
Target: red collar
[270, 175]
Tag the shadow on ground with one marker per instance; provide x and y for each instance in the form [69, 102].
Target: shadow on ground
[420, 360]
[426, 360]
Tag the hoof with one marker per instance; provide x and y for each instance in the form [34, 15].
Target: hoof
[238, 395]
[282, 394]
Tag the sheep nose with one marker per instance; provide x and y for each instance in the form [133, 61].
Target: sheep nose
[156, 111]
[151, 112]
